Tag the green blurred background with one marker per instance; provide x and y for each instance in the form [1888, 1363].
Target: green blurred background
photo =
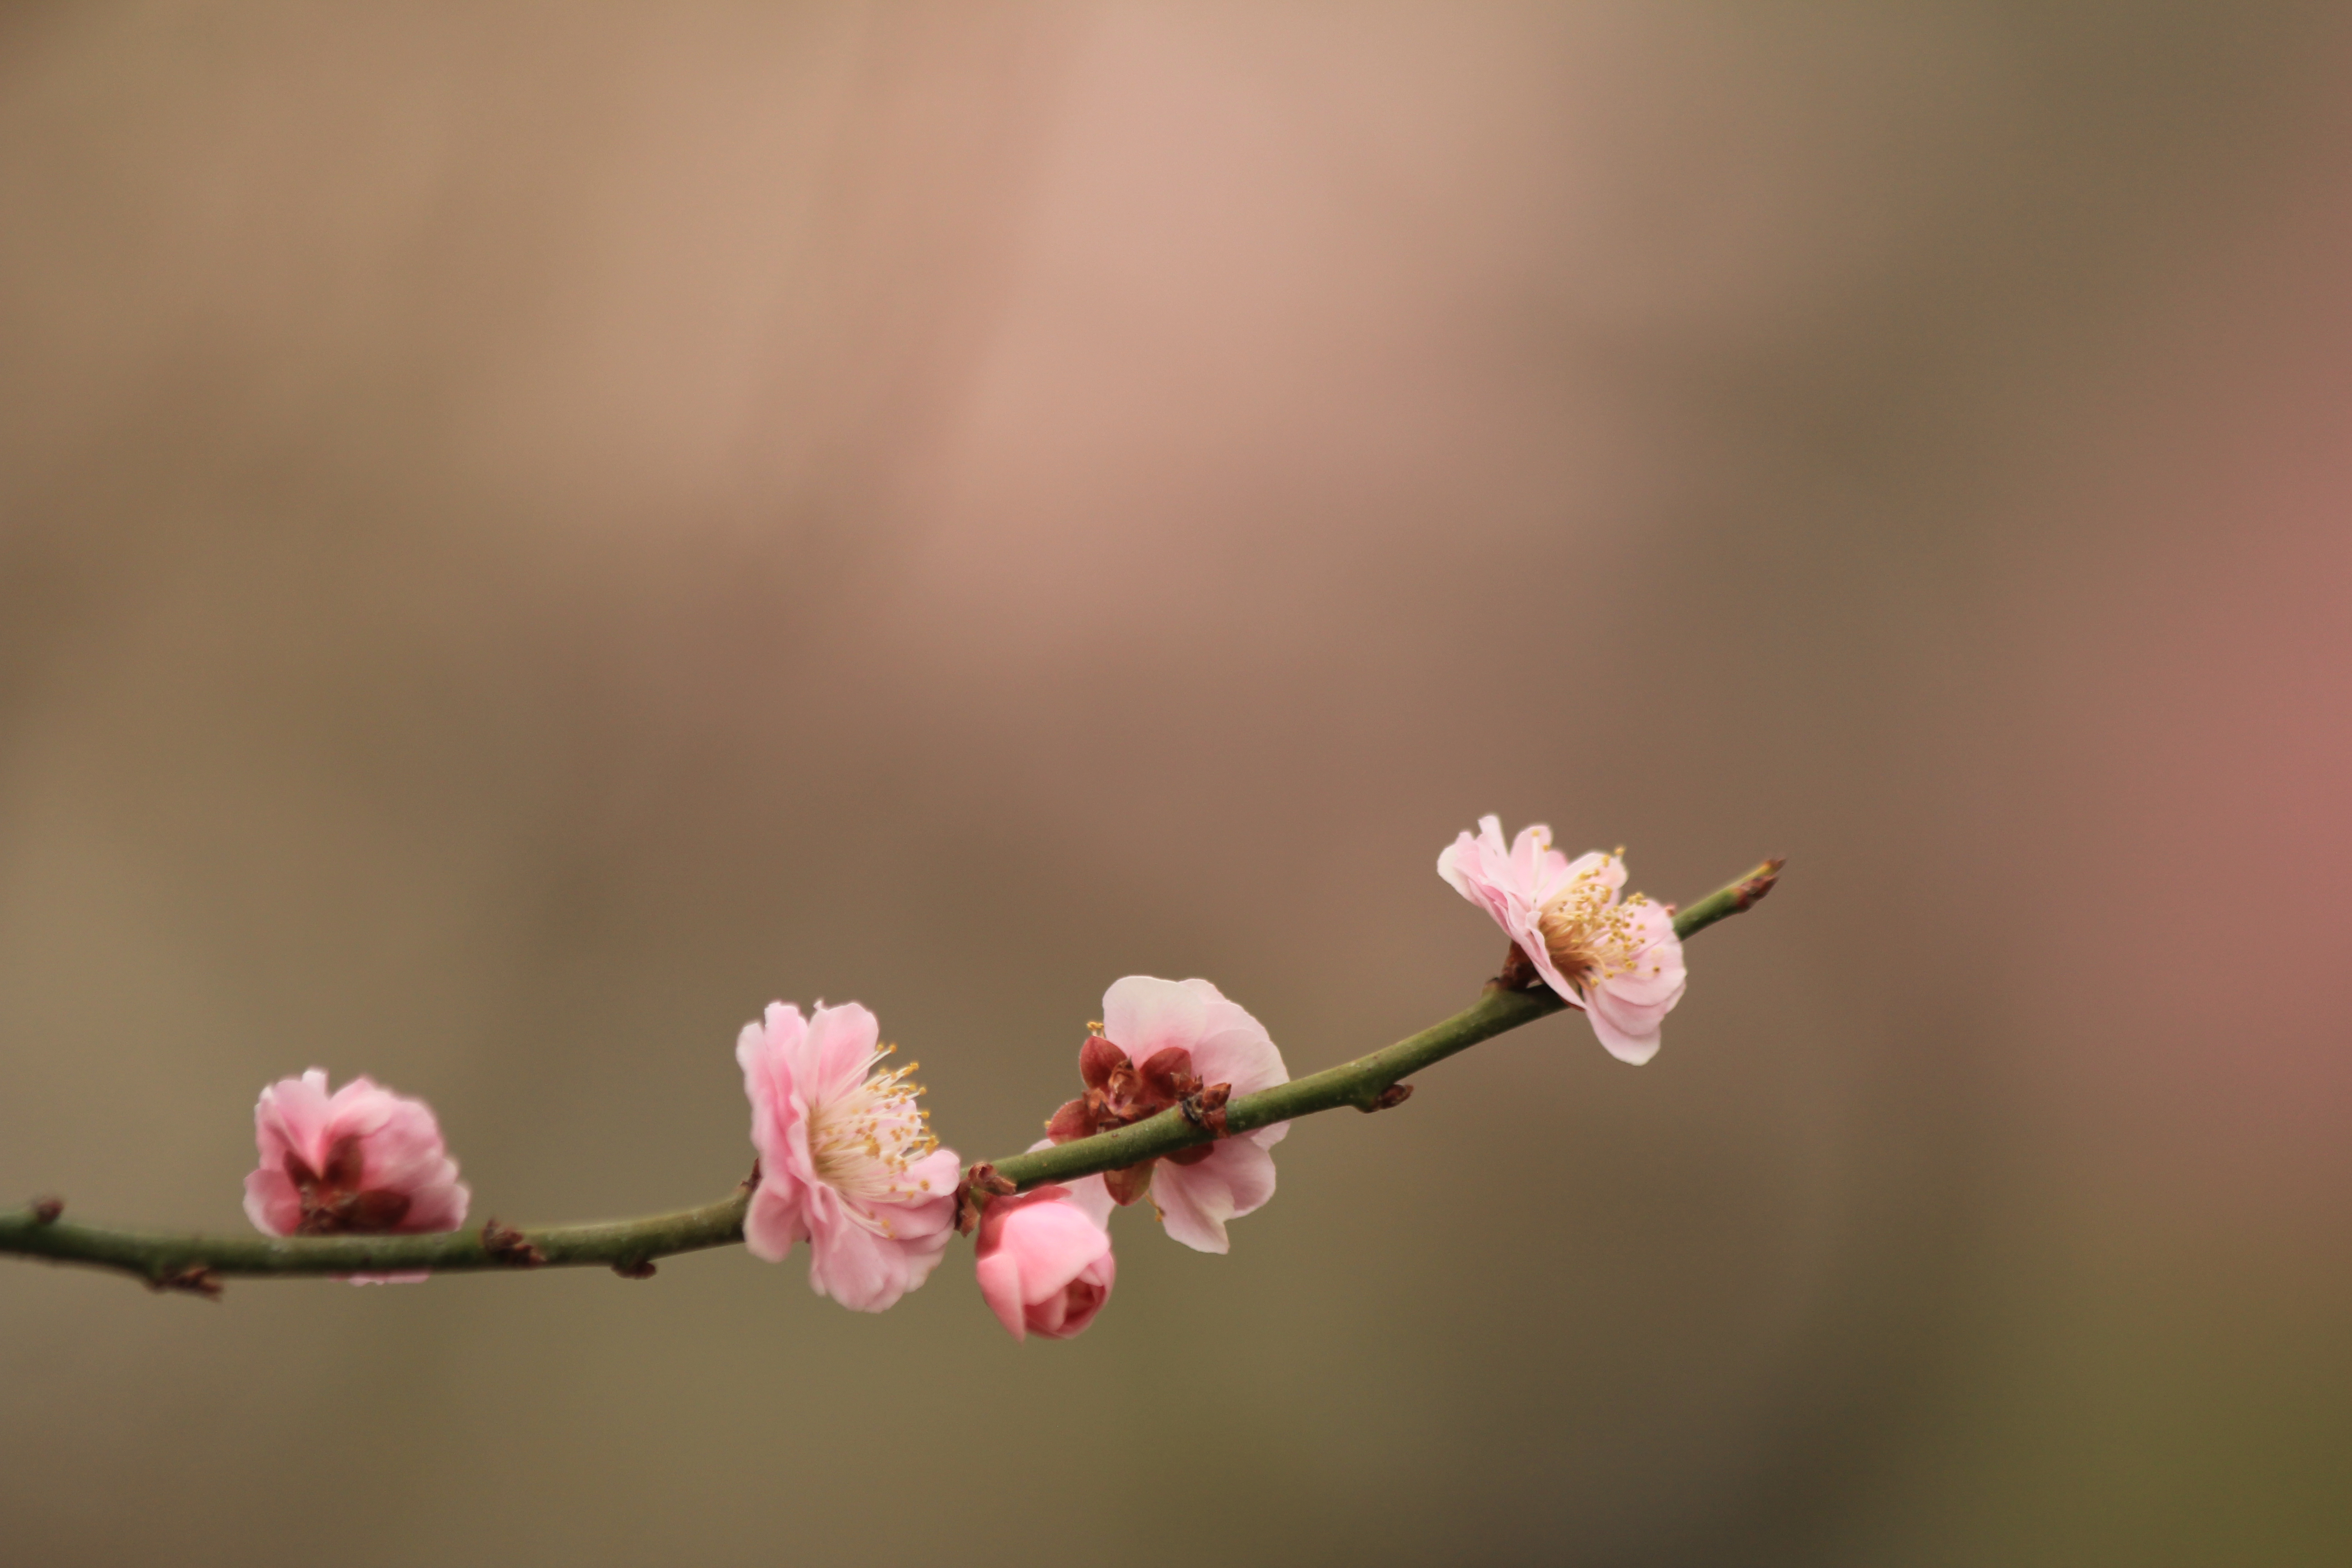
[527, 531]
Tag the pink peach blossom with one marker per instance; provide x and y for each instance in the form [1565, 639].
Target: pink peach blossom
[1619, 961]
[1044, 1260]
[846, 1159]
[361, 1161]
[1198, 1190]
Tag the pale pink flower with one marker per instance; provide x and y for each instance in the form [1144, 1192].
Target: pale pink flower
[1620, 962]
[361, 1161]
[1044, 1260]
[1180, 1033]
[847, 1161]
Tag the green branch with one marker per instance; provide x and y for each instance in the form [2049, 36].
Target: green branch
[172, 1261]
[196, 1263]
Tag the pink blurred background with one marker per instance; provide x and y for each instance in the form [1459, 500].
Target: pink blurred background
[527, 531]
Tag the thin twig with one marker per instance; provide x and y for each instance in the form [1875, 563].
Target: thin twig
[168, 1260]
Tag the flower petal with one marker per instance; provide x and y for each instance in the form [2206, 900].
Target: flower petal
[777, 1218]
[867, 1272]
[765, 1049]
[1142, 1014]
[271, 1201]
[1090, 1197]
[291, 1119]
[1056, 1242]
[1624, 1038]
[439, 1205]
[1195, 1201]
[840, 1044]
[1234, 1047]
[1000, 1286]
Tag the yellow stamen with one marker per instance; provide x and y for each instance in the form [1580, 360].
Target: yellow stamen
[1590, 935]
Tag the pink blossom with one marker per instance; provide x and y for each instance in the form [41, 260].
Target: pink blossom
[1044, 1258]
[361, 1161]
[1620, 962]
[847, 1161]
[1162, 1040]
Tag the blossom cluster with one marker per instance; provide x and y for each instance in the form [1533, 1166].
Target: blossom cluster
[847, 1162]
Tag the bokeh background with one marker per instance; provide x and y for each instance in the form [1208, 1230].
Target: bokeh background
[527, 531]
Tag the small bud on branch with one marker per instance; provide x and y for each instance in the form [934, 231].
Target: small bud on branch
[510, 1246]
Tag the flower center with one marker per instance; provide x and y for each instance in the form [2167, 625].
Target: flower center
[862, 1143]
[334, 1202]
[1591, 936]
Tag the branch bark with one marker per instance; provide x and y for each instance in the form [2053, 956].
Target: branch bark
[174, 1261]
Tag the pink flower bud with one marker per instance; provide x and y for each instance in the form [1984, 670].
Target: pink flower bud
[361, 1161]
[1044, 1261]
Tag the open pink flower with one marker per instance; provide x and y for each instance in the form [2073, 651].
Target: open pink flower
[1620, 962]
[361, 1161]
[846, 1159]
[1044, 1258]
[1161, 1042]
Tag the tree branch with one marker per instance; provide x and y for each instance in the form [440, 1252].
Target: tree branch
[196, 1263]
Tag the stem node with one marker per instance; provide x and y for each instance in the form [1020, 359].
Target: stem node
[510, 1246]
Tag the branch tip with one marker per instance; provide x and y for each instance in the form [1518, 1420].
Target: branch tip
[1759, 883]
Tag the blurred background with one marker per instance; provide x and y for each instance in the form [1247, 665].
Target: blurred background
[527, 532]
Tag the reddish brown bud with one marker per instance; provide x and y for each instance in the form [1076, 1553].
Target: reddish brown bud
[1206, 1108]
[972, 1194]
[510, 1246]
[1097, 1059]
[1396, 1094]
[635, 1269]
[1520, 972]
[47, 1210]
[1759, 883]
[193, 1279]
